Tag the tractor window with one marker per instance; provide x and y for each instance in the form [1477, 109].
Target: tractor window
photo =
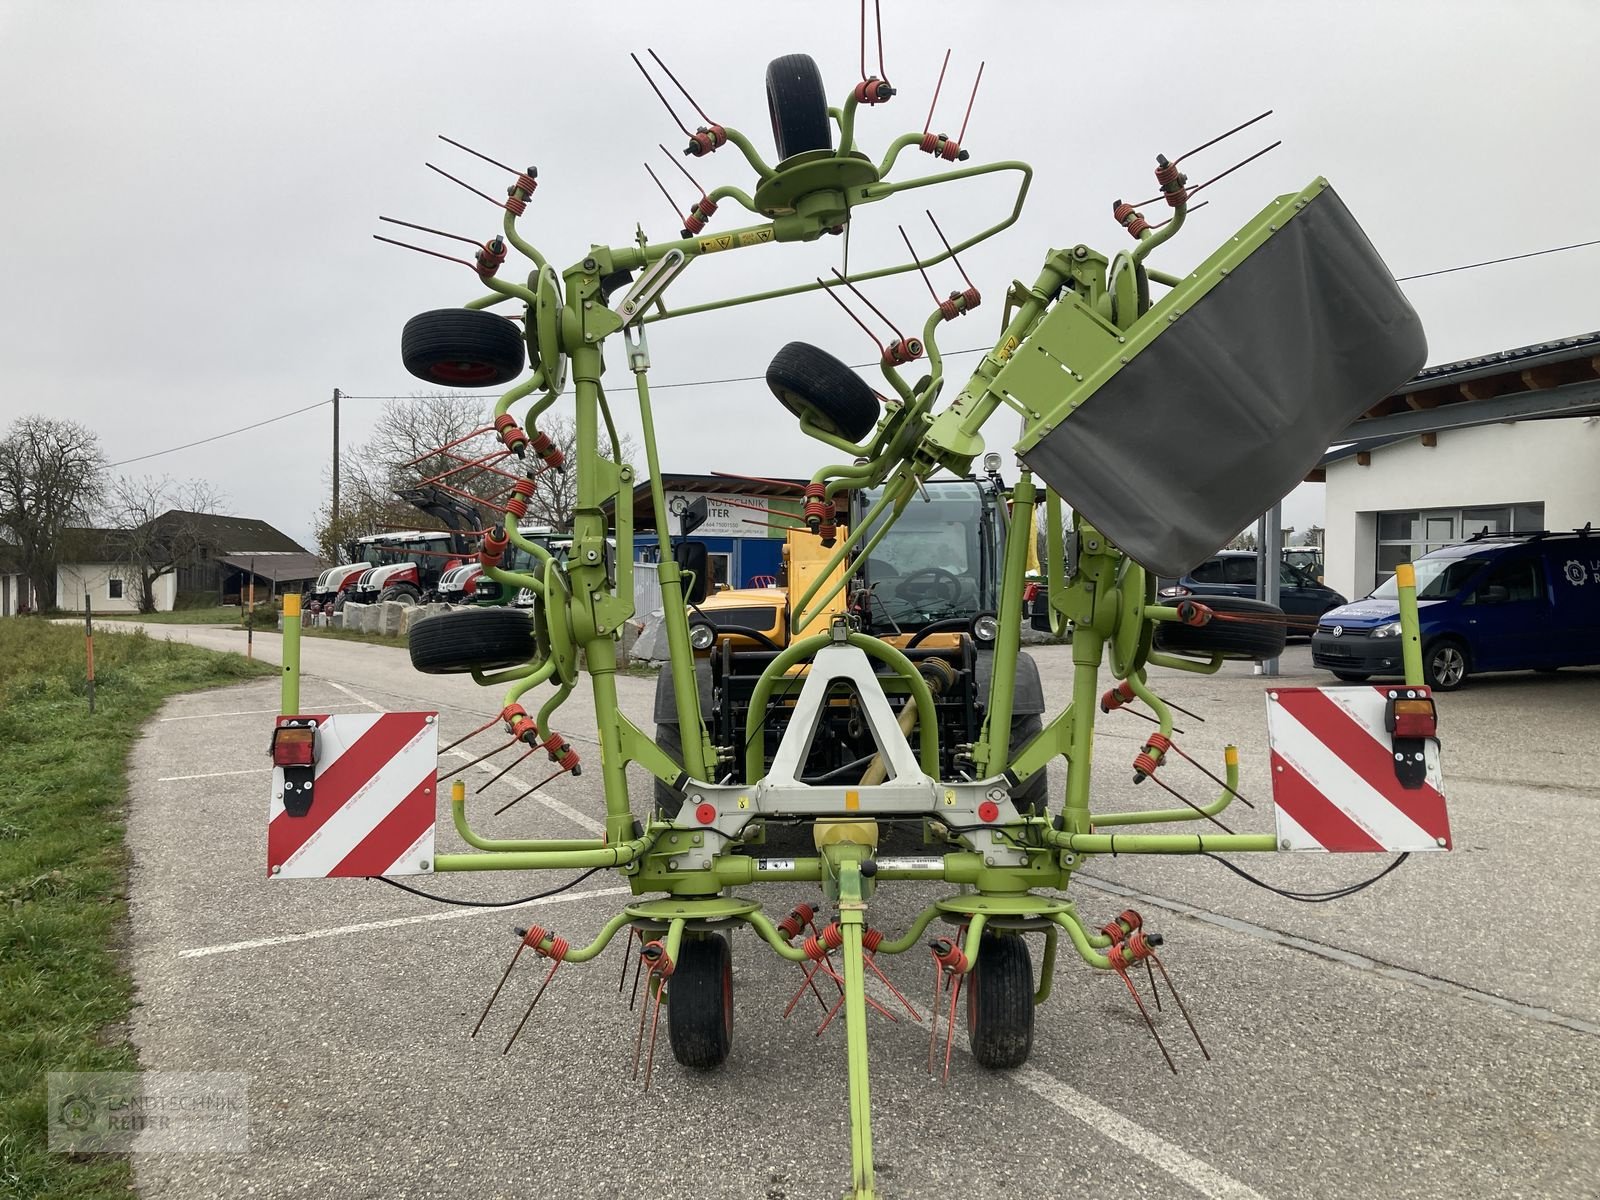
[928, 566]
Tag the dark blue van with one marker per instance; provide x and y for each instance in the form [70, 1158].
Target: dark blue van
[1496, 603]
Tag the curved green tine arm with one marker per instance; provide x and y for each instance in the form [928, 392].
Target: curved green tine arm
[1151, 240]
[811, 429]
[769, 933]
[899, 144]
[1230, 756]
[1158, 706]
[757, 163]
[742, 199]
[458, 815]
[548, 708]
[515, 291]
[509, 226]
[912, 935]
[526, 388]
[1080, 939]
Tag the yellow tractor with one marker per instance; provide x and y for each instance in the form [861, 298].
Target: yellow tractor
[929, 586]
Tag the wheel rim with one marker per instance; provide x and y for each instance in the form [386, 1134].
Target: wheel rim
[462, 371]
[1449, 665]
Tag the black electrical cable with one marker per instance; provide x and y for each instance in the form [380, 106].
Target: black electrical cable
[1307, 897]
[404, 887]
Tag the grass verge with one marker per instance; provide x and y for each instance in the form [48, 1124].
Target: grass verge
[65, 992]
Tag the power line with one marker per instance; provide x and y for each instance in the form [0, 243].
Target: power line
[1489, 262]
[659, 387]
[217, 437]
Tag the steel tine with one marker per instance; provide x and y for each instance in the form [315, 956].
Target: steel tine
[878, 971]
[517, 1032]
[1183, 1008]
[950, 1023]
[655, 1024]
[627, 953]
[1145, 1013]
[1154, 995]
[495, 995]
[933, 1012]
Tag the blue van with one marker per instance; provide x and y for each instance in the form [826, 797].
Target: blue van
[1500, 602]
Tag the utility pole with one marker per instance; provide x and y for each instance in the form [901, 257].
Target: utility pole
[335, 521]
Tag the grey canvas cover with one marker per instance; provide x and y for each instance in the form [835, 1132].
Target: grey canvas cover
[1227, 409]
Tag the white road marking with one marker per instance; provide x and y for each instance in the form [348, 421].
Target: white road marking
[213, 775]
[1112, 1125]
[358, 698]
[392, 923]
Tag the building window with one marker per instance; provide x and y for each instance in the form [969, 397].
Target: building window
[1407, 535]
[114, 589]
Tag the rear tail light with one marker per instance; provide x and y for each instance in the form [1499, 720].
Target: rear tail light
[294, 746]
[1413, 715]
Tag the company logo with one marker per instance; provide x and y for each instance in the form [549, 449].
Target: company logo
[1338, 631]
[1577, 573]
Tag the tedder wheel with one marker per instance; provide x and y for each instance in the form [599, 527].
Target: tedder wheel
[401, 593]
[798, 106]
[1352, 676]
[1000, 1002]
[472, 639]
[463, 347]
[700, 1003]
[669, 739]
[1445, 664]
[807, 380]
[1034, 794]
[1261, 636]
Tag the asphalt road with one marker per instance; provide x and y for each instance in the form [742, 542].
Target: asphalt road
[1437, 1035]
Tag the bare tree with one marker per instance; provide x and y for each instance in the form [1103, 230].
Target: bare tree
[405, 453]
[50, 472]
[158, 530]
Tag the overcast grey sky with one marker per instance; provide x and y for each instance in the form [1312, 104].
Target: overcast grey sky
[190, 187]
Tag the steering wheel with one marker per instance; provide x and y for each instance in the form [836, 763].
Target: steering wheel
[939, 581]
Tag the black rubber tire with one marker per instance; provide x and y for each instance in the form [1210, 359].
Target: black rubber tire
[806, 379]
[1000, 1002]
[463, 348]
[670, 739]
[403, 593]
[700, 1003]
[1438, 659]
[472, 639]
[1034, 794]
[338, 602]
[798, 106]
[1254, 640]
[1351, 676]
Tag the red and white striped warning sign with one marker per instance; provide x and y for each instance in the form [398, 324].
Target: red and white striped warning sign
[372, 800]
[1333, 775]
